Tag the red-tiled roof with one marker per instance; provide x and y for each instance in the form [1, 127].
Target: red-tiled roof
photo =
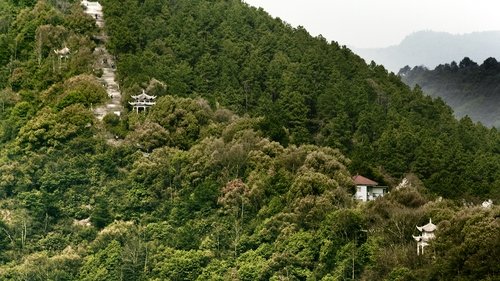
[360, 180]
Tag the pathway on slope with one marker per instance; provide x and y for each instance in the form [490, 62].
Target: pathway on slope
[106, 63]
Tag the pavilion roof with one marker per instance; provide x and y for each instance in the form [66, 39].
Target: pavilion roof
[143, 96]
[430, 227]
[63, 51]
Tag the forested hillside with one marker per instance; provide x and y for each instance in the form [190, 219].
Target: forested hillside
[242, 170]
[307, 90]
[470, 89]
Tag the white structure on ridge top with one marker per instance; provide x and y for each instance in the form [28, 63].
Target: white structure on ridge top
[142, 101]
[427, 234]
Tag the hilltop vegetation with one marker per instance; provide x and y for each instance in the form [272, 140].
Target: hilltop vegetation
[470, 89]
[219, 181]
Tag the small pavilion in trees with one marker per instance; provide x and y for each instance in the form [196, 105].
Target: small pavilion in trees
[142, 102]
[427, 234]
[63, 53]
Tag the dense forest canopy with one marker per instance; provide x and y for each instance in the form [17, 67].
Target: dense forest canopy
[242, 170]
[470, 89]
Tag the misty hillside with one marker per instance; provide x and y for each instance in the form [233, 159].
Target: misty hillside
[242, 167]
[431, 48]
[470, 89]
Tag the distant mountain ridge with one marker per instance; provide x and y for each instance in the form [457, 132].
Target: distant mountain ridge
[430, 48]
[470, 89]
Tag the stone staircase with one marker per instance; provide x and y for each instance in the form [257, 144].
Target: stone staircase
[106, 63]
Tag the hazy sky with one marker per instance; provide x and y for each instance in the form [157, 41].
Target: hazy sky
[380, 23]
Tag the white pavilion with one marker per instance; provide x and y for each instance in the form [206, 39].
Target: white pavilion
[63, 53]
[142, 102]
[427, 234]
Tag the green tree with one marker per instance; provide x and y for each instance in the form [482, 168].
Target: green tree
[105, 264]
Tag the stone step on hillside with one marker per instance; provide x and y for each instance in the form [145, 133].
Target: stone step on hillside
[106, 63]
[94, 9]
[114, 94]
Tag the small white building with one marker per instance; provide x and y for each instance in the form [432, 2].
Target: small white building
[487, 204]
[367, 189]
[427, 234]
